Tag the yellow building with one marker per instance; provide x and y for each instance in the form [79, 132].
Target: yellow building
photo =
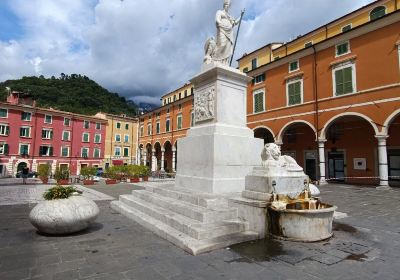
[121, 140]
[178, 94]
[353, 20]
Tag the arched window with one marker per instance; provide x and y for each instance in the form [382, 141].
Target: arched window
[377, 13]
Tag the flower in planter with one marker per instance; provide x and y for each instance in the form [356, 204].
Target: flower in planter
[60, 192]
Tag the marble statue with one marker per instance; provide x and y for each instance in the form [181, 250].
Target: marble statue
[271, 157]
[221, 50]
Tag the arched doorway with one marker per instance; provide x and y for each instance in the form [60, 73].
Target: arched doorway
[299, 141]
[148, 155]
[175, 157]
[393, 151]
[351, 150]
[157, 147]
[168, 157]
[265, 134]
[21, 166]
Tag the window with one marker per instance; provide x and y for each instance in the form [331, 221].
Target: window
[344, 79]
[180, 107]
[3, 113]
[118, 125]
[191, 90]
[45, 151]
[126, 152]
[254, 63]
[293, 66]
[259, 79]
[85, 152]
[48, 119]
[168, 111]
[158, 127]
[126, 138]
[65, 151]
[258, 101]
[26, 116]
[86, 124]
[192, 118]
[185, 92]
[3, 149]
[346, 28]
[398, 52]
[308, 44]
[67, 121]
[174, 98]
[246, 69]
[127, 126]
[96, 153]
[179, 121]
[85, 137]
[98, 126]
[141, 131]
[342, 49]
[24, 149]
[294, 91]
[25, 131]
[378, 12]
[165, 101]
[180, 95]
[97, 138]
[277, 57]
[47, 133]
[4, 129]
[117, 151]
[66, 136]
[117, 137]
[149, 129]
[167, 128]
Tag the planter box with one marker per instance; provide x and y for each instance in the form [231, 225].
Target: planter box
[134, 180]
[63, 182]
[111, 181]
[88, 182]
[145, 178]
[44, 180]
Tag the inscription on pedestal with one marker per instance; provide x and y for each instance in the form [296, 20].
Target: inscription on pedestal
[204, 104]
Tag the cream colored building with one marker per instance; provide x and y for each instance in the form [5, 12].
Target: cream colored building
[121, 139]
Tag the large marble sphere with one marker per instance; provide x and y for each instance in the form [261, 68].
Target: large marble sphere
[63, 216]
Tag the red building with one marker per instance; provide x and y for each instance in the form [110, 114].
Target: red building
[30, 136]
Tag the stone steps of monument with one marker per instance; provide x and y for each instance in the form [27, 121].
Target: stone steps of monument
[188, 226]
[187, 243]
[189, 210]
[200, 199]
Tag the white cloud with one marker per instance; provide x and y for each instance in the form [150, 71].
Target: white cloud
[145, 48]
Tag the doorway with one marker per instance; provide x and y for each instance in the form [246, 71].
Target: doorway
[336, 166]
[311, 164]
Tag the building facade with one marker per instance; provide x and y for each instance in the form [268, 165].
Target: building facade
[121, 140]
[30, 136]
[330, 98]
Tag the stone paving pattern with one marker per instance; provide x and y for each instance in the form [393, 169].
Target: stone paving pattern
[366, 245]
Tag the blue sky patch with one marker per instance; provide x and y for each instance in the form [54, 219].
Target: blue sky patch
[10, 28]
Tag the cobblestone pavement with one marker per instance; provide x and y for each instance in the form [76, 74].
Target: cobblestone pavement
[366, 245]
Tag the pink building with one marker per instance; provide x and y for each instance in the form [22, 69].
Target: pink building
[30, 136]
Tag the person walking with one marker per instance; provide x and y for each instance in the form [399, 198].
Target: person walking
[25, 172]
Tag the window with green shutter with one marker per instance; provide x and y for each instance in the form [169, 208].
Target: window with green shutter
[65, 136]
[293, 66]
[346, 28]
[342, 49]
[378, 12]
[4, 130]
[85, 137]
[179, 120]
[64, 151]
[96, 153]
[3, 149]
[126, 152]
[97, 138]
[258, 100]
[158, 127]
[24, 149]
[344, 81]
[294, 93]
[3, 113]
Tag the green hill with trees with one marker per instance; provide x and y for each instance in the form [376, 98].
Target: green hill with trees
[73, 93]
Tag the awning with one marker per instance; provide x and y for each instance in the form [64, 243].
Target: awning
[118, 162]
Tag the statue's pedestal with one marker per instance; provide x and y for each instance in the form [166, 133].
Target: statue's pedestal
[220, 150]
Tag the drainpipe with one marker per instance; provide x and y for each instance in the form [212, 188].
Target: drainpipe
[315, 89]
[112, 137]
[35, 134]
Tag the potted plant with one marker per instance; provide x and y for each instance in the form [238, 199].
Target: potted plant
[134, 171]
[73, 211]
[87, 174]
[144, 172]
[62, 176]
[44, 172]
[111, 175]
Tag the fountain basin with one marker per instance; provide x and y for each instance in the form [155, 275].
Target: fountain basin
[297, 222]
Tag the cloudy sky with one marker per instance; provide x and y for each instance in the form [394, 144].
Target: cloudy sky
[141, 49]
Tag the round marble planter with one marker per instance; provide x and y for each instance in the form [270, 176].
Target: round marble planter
[63, 216]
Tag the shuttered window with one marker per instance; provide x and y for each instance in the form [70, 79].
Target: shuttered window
[378, 12]
[4, 130]
[294, 93]
[179, 122]
[342, 49]
[344, 81]
[3, 149]
[258, 99]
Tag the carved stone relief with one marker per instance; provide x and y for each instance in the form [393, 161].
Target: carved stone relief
[204, 105]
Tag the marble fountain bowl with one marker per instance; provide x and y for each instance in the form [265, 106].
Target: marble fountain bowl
[64, 216]
[304, 221]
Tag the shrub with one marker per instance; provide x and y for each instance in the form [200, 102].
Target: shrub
[144, 170]
[44, 171]
[112, 172]
[88, 172]
[60, 192]
[61, 173]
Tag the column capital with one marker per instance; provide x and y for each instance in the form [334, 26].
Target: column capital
[173, 149]
[321, 140]
[279, 143]
[163, 150]
[153, 151]
[381, 137]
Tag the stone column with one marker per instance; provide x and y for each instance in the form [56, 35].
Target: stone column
[279, 143]
[162, 159]
[173, 159]
[321, 152]
[144, 157]
[382, 161]
[153, 160]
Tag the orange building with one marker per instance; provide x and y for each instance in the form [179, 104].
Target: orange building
[330, 98]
